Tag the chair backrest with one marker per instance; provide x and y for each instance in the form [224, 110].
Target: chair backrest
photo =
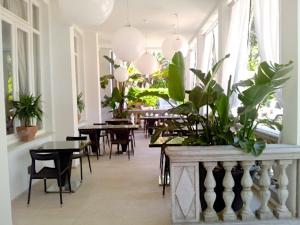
[40, 155]
[70, 138]
[121, 135]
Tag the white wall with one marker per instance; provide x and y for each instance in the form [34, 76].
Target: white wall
[92, 77]
[63, 76]
[5, 205]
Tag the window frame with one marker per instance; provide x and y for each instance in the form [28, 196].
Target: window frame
[18, 23]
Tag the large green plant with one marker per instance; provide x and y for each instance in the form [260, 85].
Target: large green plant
[218, 125]
[27, 108]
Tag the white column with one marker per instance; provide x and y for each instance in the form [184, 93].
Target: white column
[92, 77]
[281, 210]
[264, 211]
[5, 203]
[289, 50]
[63, 76]
[246, 213]
[210, 214]
[228, 195]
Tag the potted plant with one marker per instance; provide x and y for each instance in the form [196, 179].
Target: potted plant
[27, 109]
[80, 105]
[219, 126]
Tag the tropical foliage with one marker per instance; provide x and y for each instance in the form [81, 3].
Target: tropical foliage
[27, 108]
[217, 125]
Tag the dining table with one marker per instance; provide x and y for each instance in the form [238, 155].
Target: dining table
[65, 149]
[94, 133]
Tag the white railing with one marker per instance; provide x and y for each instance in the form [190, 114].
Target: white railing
[262, 202]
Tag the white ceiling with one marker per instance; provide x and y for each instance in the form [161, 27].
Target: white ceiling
[159, 16]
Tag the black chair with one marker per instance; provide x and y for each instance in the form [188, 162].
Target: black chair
[121, 137]
[103, 135]
[48, 172]
[125, 122]
[81, 154]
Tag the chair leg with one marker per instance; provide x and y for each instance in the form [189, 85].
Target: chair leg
[89, 161]
[132, 148]
[45, 185]
[69, 181]
[110, 150]
[29, 191]
[103, 142]
[128, 151]
[133, 137]
[60, 189]
[81, 176]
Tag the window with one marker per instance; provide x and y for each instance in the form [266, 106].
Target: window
[79, 64]
[20, 55]
[8, 74]
[271, 109]
[18, 7]
[192, 63]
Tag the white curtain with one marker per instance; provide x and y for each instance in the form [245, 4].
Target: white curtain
[22, 62]
[207, 51]
[237, 39]
[266, 19]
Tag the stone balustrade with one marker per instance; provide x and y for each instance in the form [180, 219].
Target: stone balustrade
[262, 202]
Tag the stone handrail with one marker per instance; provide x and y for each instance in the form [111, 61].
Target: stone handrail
[185, 188]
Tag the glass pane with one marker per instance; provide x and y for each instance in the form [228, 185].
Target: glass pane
[35, 17]
[37, 70]
[18, 7]
[8, 75]
[22, 45]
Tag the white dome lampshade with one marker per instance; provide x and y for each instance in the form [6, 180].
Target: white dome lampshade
[128, 43]
[167, 48]
[173, 44]
[147, 64]
[86, 12]
[121, 74]
[179, 43]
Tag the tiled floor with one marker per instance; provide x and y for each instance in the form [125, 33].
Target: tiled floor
[119, 192]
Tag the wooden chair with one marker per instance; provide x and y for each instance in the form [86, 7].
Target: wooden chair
[81, 154]
[121, 137]
[47, 172]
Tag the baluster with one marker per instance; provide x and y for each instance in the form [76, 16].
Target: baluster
[246, 213]
[210, 214]
[228, 195]
[281, 211]
[264, 211]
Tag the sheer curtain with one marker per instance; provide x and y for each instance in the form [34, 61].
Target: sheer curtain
[22, 62]
[237, 39]
[266, 19]
[207, 51]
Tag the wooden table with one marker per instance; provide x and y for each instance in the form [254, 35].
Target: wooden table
[65, 150]
[94, 132]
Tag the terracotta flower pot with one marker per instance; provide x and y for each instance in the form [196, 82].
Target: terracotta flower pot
[26, 133]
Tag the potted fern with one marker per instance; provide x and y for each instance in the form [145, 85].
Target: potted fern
[27, 110]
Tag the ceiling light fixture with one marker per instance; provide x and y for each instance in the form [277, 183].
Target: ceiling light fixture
[86, 13]
[128, 43]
